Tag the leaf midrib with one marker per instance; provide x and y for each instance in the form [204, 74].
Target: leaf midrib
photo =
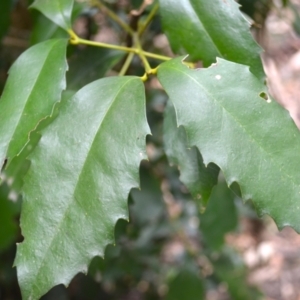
[27, 100]
[206, 31]
[62, 13]
[290, 178]
[72, 197]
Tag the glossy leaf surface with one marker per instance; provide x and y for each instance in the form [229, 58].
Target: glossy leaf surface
[34, 85]
[209, 29]
[19, 165]
[198, 178]
[77, 187]
[58, 11]
[254, 142]
[45, 29]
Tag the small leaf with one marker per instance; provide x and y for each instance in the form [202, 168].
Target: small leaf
[89, 160]
[254, 142]
[90, 64]
[198, 178]
[58, 11]
[209, 29]
[44, 29]
[34, 85]
[220, 216]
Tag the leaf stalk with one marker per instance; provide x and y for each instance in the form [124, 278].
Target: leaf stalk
[149, 18]
[126, 64]
[140, 52]
[75, 40]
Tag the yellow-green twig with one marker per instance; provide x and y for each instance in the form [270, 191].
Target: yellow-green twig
[75, 40]
[148, 19]
[112, 15]
[126, 64]
[156, 56]
[144, 77]
[153, 71]
[140, 53]
[150, 72]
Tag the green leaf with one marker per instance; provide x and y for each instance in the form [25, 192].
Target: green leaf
[255, 143]
[19, 165]
[90, 64]
[186, 285]
[34, 85]
[220, 216]
[209, 29]
[77, 187]
[198, 178]
[58, 11]
[148, 201]
[44, 29]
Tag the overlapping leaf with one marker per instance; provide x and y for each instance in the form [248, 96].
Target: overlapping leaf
[198, 178]
[76, 189]
[209, 29]
[19, 165]
[148, 202]
[44, 28]
[34, 85]
[90, 64]
[254, 142]
[58, 11]
[220, 216]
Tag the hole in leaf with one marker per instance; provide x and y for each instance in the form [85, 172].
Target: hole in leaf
[265, 96]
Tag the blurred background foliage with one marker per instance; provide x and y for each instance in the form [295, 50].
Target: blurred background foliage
[174, 247]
